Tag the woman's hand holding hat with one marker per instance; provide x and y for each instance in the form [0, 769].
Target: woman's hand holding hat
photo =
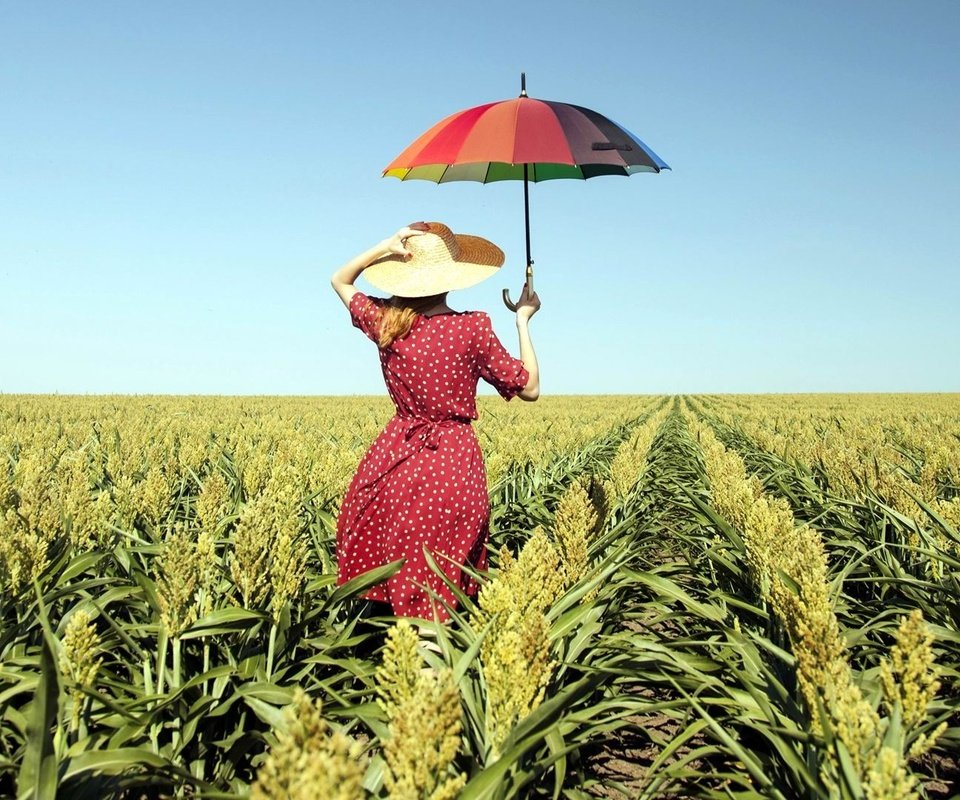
[396, 244]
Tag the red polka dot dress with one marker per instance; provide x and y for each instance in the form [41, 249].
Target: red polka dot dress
[422, 482]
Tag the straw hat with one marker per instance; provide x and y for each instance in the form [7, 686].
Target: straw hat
[441, 260]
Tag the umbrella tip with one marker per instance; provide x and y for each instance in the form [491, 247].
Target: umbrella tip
[523, 84]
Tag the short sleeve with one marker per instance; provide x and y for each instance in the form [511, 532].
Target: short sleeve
[365, 314]
[497, 367]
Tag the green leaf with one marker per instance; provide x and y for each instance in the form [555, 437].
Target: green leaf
[358, 585]
[113, 762]
[556, 744]
[37, 779]
[466, 659]
[270, 714]
[224, 620]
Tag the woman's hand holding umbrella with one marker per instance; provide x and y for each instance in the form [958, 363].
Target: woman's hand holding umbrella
[528, 304]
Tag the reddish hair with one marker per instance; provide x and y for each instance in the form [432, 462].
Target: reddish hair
[399, 314]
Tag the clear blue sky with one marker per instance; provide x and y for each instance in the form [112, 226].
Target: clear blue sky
[178, 180]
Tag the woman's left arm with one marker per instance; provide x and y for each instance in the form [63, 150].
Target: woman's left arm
[343, 279]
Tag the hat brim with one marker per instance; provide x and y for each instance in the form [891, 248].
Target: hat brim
[478, 260]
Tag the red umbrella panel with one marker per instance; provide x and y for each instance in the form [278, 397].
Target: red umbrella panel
[524, 139]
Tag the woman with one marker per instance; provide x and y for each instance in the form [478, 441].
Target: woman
[421, 485]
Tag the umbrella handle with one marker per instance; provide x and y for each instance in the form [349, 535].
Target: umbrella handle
[506, 292]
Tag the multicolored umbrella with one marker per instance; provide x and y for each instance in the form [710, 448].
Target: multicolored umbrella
[524, 139]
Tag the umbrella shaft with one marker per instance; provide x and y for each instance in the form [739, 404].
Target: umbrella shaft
[526, 217]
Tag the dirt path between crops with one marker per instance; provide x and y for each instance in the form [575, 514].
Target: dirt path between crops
[623, 760]
[621, 763]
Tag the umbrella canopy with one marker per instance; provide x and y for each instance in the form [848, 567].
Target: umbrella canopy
[492, 142]
[524, 139]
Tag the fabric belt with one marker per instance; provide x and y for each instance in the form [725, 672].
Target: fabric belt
[428, 430]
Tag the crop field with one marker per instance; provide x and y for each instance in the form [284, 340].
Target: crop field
[689, 596]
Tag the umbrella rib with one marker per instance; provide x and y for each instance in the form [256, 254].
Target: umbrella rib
[516, 116]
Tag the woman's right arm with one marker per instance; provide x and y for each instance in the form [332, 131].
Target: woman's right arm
[526, 308]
